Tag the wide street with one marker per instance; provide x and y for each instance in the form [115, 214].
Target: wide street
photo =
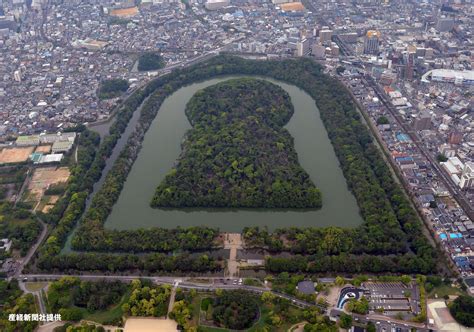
[215, 283]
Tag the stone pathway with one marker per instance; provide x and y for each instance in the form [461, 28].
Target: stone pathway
[233, 241]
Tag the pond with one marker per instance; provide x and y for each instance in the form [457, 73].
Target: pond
[162, 146]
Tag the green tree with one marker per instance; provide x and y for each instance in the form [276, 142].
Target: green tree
[371, 327]
[462, 309]
[406, 280]
[112, 88]
[360, 306]
[267, 297]
[340, 281]
[345, 321]
[72, 314]
[382, 120]
[441, 158]
[150, 61]
[340, 69]
[181, 312]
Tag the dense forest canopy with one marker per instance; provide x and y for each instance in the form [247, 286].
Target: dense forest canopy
[112, 88]
[235, 309]
[18, 225]
[73, 298]
[238, 154]
[147, 300]
[150, 61]
[13, 301]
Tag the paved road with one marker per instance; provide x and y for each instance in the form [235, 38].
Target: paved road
[172, 296]
[183, 284]
[37, 294]
[42, 306]
[23, 186]
[24, 261]
[233, 241]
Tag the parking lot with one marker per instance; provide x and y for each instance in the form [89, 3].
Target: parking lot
[393, 297]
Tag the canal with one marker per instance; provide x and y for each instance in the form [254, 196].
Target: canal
[162, 146]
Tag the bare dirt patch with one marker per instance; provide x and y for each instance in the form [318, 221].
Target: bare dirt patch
[53, 199]
[124, 12]
[50, 203]
[15, 155]
[46, 208]
[332, 295]
[296, 6]
[150, 325]
[43, 148]
[44, 177]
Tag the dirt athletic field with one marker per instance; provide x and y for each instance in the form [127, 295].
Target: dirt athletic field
[43, 148]
[124, 12]
[150, 325]
[15, 155]
[297, 6]
[44, 177]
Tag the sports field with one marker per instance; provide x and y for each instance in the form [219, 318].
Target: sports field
[297, 6]
[43, 148]
[125, 12]
[15, 155]
[150, 325]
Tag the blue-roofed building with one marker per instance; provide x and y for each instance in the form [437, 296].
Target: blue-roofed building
[238, 13]
[461, 261]
[408, 158]
[35, 157]
[403, 137]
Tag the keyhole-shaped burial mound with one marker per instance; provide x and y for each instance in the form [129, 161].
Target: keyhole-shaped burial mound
[238, 155]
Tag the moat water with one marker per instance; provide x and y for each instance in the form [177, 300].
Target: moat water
[162, 146]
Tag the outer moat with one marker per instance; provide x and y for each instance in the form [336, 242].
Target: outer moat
[162, 147]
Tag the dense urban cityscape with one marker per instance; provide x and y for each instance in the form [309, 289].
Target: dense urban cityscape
[164, 159]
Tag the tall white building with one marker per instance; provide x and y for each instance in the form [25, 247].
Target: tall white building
[17, 75]
[303, 47]
[467, 176]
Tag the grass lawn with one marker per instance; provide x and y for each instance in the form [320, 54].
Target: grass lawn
[444, 290]
[252, 282]
[105, 316]
[35, 286]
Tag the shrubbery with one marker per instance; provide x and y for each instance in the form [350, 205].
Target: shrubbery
[462, 310]
[112, 88]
